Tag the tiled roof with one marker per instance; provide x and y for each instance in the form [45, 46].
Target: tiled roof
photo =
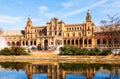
[12, 32]
[74, 25]
[39, 26]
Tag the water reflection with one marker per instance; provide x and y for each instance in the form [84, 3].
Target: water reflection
[24, 70]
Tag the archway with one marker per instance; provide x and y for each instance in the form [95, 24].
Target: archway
[13, 43]
[72, 42]
[8, 43]
[89, 41]
[64, 42]
[68, 42]
[98, 41]
[34, 42]
[76, 42]
[46, 44]
[109, 41]
[26, 42]
[17, 43]
[85, 41]
[104, 41]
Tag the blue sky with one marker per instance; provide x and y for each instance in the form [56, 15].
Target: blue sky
[14, 13]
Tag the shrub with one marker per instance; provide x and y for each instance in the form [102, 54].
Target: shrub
[13, 51]
[106, 52]
[71, 50]
[95, 51]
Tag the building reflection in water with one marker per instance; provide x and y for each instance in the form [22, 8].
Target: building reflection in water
[60, 71]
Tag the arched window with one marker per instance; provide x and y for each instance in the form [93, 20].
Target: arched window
[98, 41]
[59, 33]
[73, 34]
[68, 34]
[80, 34]
[23, 43]
[77, 42]
[34, 42]
[72, 42]
[17, 43]
[116, 41]
[68, 42]
[88, 27]
[26, 42]
[13, 43]
[89, 41]
[8, 43]
[104, 41]
[67, 29]
[64, 42]
[109, 41]
[85, 41]
[75, 28]
[80, 28]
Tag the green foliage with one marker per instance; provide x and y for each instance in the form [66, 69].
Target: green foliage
[84, 66]
[13, 51]
[71, 50]
[13, 65]
[95, 51]
[106, 52]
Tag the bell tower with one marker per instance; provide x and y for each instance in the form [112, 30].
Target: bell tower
[89, 30]
[88, 17]
[29, 31]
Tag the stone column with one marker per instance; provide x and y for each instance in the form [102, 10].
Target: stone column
[83, 42]
[66, 42]
[78, 43]
[74, 42]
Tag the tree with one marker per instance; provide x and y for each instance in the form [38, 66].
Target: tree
[111, 24]
[111, 29]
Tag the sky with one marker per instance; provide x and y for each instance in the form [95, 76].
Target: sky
[14, 13]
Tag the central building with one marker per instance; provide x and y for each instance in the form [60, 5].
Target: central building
[59, 33]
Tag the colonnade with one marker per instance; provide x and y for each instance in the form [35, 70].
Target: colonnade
[108, 43]
[80, 43]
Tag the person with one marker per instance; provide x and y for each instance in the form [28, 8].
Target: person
[39, 47]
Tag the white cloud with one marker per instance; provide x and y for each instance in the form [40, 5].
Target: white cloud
[111, 8]
[65, 13]
[71, 3]
[9, 19]
[43, 8]
[113, 4]
[85, 8]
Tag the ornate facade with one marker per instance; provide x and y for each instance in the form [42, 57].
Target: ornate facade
[59, 33]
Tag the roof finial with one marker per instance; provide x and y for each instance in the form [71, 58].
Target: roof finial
[88, 10]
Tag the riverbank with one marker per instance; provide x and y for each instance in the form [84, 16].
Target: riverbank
[53, 56]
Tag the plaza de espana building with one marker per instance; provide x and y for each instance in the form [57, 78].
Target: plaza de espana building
[56, 32]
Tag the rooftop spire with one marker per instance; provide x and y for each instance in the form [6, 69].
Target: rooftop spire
[88, 11]
[88, 17]
[29, 22]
